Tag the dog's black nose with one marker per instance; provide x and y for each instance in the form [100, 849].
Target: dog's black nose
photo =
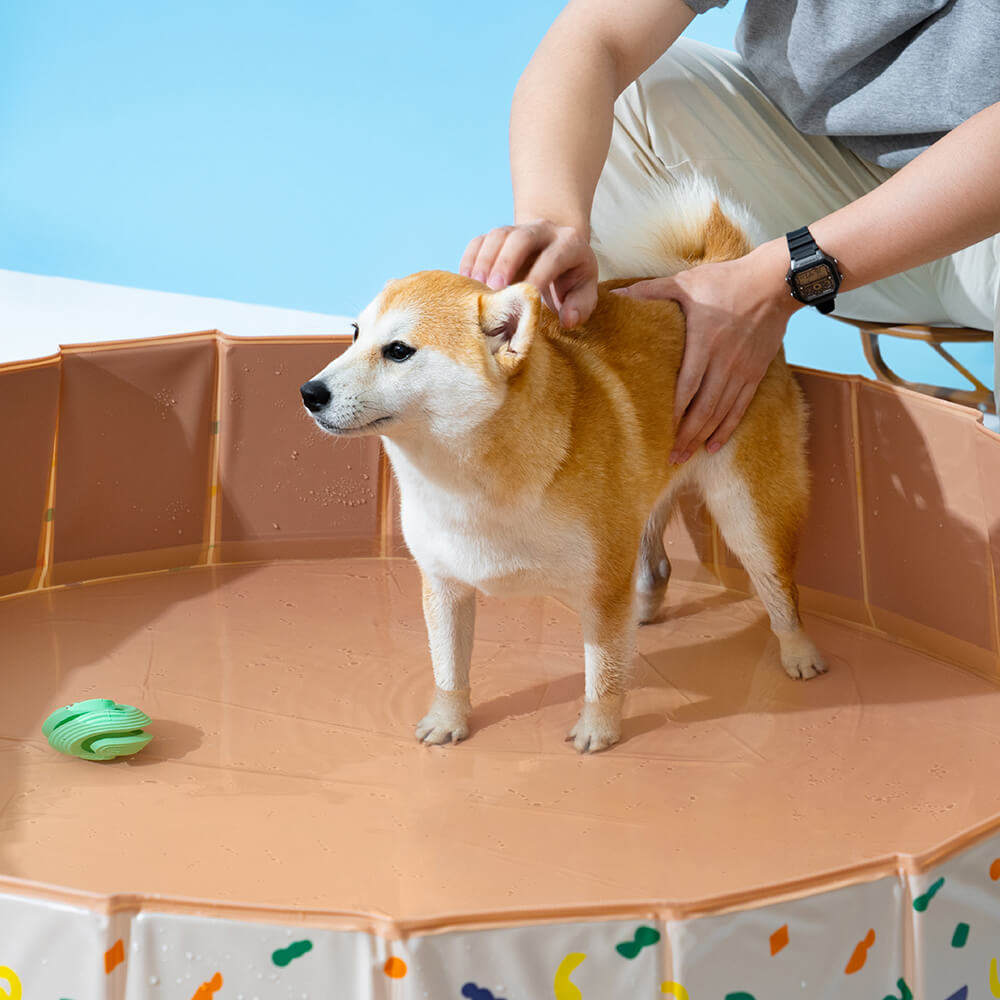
[315, 395]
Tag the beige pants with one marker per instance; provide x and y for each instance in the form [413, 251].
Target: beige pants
[696, 111]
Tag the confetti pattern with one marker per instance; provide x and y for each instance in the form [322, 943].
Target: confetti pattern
[904, 990]
[207, 990]
[394, 968]
[779, 939]
[114, 956]
[14, 993]
[295, 950]
[675, 989]
[561, 985]
[921, 902]
[860, 954]
[473, 992]
[644, 937]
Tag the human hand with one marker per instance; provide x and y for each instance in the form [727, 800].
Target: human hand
[557, 260]
[736, 313]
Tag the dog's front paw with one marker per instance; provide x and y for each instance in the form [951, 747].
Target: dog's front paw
[800, 658]
[447, 721]
[599, 726]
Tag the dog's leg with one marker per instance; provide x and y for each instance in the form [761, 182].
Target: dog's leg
[608, 637]
[653, 572]
[450, 613]
[761, 525]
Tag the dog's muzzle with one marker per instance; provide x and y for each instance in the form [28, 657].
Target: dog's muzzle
[315, 395]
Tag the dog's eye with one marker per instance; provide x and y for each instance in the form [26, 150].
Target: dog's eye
[398, 351]
[356, 332]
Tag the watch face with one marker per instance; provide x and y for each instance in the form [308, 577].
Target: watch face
[815, 282]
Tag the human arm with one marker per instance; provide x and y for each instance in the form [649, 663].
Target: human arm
[945, 199]
[560, 131]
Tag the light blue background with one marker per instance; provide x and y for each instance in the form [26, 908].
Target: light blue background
[292, 155]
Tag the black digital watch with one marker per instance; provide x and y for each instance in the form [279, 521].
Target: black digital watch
[813, 276]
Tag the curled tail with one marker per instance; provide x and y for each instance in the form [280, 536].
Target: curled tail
[668, 227]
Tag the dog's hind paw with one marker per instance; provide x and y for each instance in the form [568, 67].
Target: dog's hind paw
[800, 658]
[448, 718]
[650, 588]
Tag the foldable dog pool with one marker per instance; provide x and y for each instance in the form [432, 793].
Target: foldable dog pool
[178, 536]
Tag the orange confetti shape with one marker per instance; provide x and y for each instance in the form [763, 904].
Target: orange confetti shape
[995, 869]
[779, 939]
[205, 991]
[860, 955]
[114, 956]
[395, 968]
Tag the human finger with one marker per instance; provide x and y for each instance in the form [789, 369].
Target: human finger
[579, 296]
[699, 413]
[489, 249]
[651, 288]
[694, 363]
[523, 243]
[469, 257]
[731, 390]
[732, 419]
[559, 257]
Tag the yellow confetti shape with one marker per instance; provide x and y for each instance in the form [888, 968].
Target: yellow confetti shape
[994, 979]
[15, 984]
[676, 989]
[564, 989]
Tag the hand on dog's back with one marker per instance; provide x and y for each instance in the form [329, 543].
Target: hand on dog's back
[557, 260]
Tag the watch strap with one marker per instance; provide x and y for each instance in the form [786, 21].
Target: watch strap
[799, 240]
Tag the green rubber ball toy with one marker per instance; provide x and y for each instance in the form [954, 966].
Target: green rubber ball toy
[97, 729]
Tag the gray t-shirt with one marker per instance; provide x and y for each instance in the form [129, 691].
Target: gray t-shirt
[886, 77]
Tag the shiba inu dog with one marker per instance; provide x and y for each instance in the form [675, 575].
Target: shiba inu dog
[534, 458]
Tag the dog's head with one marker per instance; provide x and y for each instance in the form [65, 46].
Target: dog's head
[433, 351]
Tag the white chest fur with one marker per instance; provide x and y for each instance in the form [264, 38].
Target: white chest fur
[497, 548]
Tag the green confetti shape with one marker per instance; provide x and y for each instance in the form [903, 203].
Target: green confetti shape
[905, 993]
[740, 996]
[960, 936]
[921, 902]
[643, 936]
[295, 950]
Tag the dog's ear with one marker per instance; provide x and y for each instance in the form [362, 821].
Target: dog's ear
[509, 319]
